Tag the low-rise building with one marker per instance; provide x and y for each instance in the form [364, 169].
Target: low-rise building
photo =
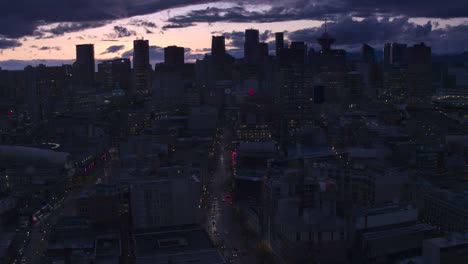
[446, 250]
[177, 244]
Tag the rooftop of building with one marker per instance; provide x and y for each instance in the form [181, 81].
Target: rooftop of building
[384, 209]
[33, 154]
[6, 238]
[100, 190]
[7, 204]
[175, 244]
[398, 231]
[453, 190]
[299, 224]
[263, 147]
[77, 233]
[453, 240]
[250, 174]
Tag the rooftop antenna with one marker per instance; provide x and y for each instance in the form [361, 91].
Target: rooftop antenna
[326, 24]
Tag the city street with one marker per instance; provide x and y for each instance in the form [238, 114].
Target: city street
[39, 234]
[225, 232]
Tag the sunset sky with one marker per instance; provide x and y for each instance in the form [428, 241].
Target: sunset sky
[35, 31]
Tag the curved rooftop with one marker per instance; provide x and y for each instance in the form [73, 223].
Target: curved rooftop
[33, 154]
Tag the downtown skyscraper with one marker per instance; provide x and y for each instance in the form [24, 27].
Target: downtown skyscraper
[141, 66]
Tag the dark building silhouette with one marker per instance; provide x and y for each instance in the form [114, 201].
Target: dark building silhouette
[115, 71]
[84, 67]
[279, 41]
[319, 94]
[368, 53]
[218, 46]
[395, 54]
[419, 72]
[296, 96]
[331, 67]
[325, 42]
[370, 71]
[296, 53]
[174, 55]
[263, 52]
[395, 71]
[251, 45]
[141, 66]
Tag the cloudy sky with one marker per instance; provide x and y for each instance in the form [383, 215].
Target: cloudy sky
[35, 31]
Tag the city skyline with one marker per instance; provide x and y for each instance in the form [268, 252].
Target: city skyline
[191, 25]
[234, 132]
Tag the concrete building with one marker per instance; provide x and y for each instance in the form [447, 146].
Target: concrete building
[74, 240]
[100, 205]
[113, 72]
[84, 67]
[179, 244]
[202, 120]
[300, 220]
[174, 56]
[385, 234]
[441, 202]
[141, 66]
[356, 184]
[446, 250]
[171, 198]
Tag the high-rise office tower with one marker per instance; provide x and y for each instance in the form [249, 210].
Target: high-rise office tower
[325, 42]
[251, 45]
[331, 65]
[84, 65]
[296, 94]
[297, 53]
[169, 199]
[218, 46]
[419, 71]
[386, 58]
[141, 66]
[395, 71]
[37, 89]
[370, 71]
[263, 52]
[368, 53]
[395, 54]
[279, 41]
[174, 56]
[115, 71]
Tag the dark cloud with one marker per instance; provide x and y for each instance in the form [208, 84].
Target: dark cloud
[21, 18]
[113, 49]
[236, 39]
[31, 17]
[204, 50]
[156, 54]
[266, 35]
[288, 10]
[177, 25]
[9, 43]
[351, 33]
[236, 53]
[193, 57]
[67, 27]
[45, 47]
[121, 32]
[142, 23]
[49, 48]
